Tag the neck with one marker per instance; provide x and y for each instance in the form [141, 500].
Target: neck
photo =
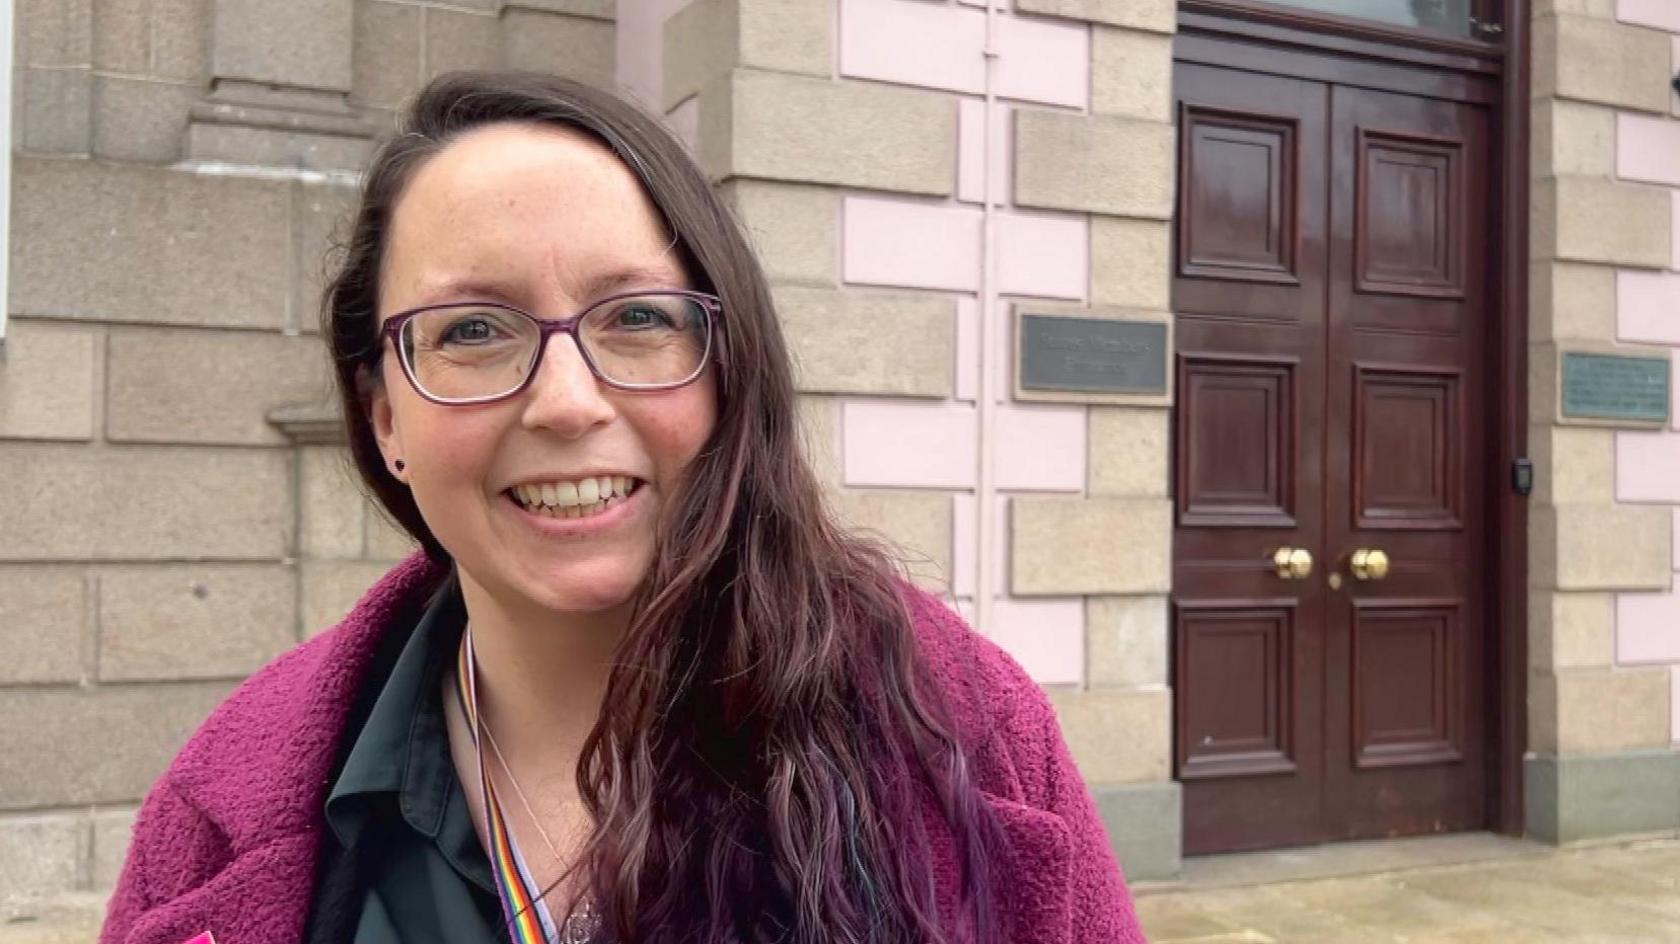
[541, 677]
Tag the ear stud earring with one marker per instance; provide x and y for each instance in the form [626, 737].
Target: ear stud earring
[401, 465]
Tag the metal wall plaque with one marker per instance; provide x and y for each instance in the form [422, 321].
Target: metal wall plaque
[1092, 355]
[1615, 387]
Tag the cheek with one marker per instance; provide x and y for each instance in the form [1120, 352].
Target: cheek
[675, 431]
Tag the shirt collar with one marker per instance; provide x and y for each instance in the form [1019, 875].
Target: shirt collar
[403, 749]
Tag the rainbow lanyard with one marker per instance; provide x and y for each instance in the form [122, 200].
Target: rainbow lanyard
[528, 921]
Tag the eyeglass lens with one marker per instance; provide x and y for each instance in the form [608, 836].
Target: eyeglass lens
[472, 351]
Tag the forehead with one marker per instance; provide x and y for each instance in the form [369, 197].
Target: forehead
[534, 211]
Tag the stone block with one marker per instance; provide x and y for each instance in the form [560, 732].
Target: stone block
[112, 832]
[819, 429]
[572, 46]
[233, 142]
[1600, 711]
[1572, 139]
[303, 43]
[1569, 799]
[123, 739]
[140, 120]
[874, 136]
[193, 621]
[794, 229]
[188, 385]
[1145, 828]
[456, 40]
[40, 853]
[916, 527]
[1595, 60]
[1131, 74]
[1600, 547]
[1131, 263]
[1095, 164]
[386, 70]
[1159, 16]
[49, 382]
[1573, 465]
[43, 617]
[1117, 737]
[1571, 302]
[330, 504]
[385, 541]
[1063, 546]
[180, 40]
[1126, 642]
[55, 33]
[869, 342]
[113, 242]
[121, 36]
[70, 502]
[1585, 219]
[56, 111]
[707, 39]
[330, 588]
[595, 9]
[1603, 9]
[1130, 451]
[323, 213]
[1571, 630]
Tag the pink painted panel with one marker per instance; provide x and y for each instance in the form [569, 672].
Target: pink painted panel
[903, 444]
[1043, 255]
[1045, 61]
[1648, 149]
[1674, 710]
[914, 43]
[1663, 14]
[1647, 628]
[1040, 448]
[971, 134]
[1675, 540]
[910, 243]
[639, 37]
[1648, 466]
[1047, 637]
[1674, 230]
[1648, 307]
[968, 348]
[1003, 336]
[965, 542]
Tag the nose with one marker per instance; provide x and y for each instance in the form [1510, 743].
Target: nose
[565, 395]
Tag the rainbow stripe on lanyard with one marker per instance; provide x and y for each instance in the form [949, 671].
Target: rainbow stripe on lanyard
[528, 920]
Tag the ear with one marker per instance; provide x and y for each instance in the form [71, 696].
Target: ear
[377, 401]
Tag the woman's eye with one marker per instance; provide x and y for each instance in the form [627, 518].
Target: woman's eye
[641, 316]
[469, 331]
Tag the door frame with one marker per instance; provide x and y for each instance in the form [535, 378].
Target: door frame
[1388, 57]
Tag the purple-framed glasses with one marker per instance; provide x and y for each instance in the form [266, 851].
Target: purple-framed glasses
[479, 352]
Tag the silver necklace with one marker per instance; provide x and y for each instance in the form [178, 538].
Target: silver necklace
[583, 924]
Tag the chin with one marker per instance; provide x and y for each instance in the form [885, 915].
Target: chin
[591, 587]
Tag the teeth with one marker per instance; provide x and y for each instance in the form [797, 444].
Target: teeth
[573, 499]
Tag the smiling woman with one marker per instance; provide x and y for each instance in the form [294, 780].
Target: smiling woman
[638, 686]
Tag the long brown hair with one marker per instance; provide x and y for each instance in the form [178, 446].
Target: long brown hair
[770, 736]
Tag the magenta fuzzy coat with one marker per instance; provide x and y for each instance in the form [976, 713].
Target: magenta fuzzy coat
[227, 840]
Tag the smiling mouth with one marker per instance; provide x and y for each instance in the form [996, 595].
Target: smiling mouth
[574, 498]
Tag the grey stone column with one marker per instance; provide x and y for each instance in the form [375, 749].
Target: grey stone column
[280, 87]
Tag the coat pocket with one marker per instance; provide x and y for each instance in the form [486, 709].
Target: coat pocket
[1031, 880]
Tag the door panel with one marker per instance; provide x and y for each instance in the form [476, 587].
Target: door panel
[1407, 326]
[1330, 295]
[1250, 298]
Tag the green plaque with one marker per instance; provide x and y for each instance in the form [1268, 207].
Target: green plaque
[1615, 387]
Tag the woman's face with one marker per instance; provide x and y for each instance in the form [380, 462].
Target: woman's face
[549, 221]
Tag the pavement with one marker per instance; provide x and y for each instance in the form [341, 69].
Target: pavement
[1469, 889]
[1475, 889]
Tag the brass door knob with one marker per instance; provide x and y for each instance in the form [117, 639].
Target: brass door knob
[1292, 563]
[1369, 564]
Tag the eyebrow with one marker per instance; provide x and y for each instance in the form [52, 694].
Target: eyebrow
[600, 286]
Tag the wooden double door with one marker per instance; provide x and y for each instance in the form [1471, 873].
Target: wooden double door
[1330, 630]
